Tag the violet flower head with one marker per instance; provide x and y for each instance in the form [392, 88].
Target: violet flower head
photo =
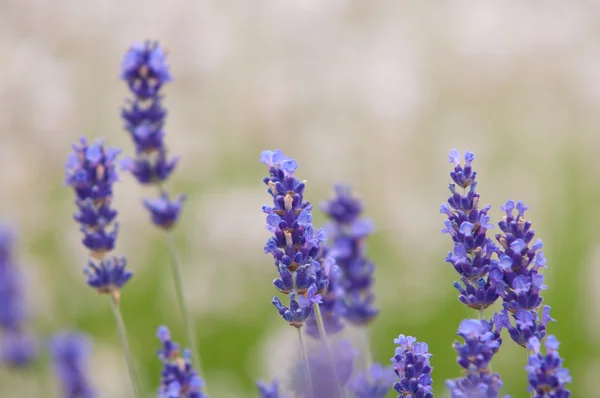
[178, 378]
[473, 250]
[165, 213]
[109, 276]
[90, 171]
[70, 352]
[17, 347]
[269, 390]
[481, 342]
[347, 244]
[547, 377]
[372, 384]
[295, 244]
[145, 70]
[411, 364]
[521, 260]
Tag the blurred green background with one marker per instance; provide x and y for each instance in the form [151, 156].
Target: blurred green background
[369, 93]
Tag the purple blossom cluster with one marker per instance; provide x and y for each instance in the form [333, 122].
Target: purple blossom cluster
[90, 171]
[178, 378]
[347, 234]
[17, 346]
[467, 224]
[481, 342]
[145, 70]
[411, 364]
[295, 244]
[520, 260]
[547, 378]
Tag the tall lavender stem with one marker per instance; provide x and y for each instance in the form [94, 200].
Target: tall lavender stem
[185, 314]
[303, 345]
[323, 334]
[114, 304]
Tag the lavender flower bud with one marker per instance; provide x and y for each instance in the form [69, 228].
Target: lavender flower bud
[348, 235]
[109, 276]
[164, 212]
[90, 171]
[178, 378]
[69, 353]
[411, 364]
[467, 225]
[547, 377]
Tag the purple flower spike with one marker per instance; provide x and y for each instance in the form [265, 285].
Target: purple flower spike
[481, 341]
[547, 377]
[269, 390]
[347, 245]
[164, 212]
[70, 352]
[467, 225]
[90, 171]
[411, 364]
[145, 70]
[178, 378]
[295, 245]
[521, 284]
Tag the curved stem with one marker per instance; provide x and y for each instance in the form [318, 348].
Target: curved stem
[114, 304]
[323, 335]
[185, 314]
[368, 357]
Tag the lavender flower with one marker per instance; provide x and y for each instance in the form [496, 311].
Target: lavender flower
[269, 390]
[467, 225]
[90, 171]
[109, 276]
[411, 364]
[164, 212]
[348, 235]
[295, 245]
[17, 347]
[481, 341]
[145, 70]
[521, 281]
[372, 384]
[69, 353]
[178, 378]
[547, 377]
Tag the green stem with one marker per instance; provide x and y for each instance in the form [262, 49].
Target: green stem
[303, 346]
[323, 335]
[481, 314]
[114, 304]
[189, 325]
